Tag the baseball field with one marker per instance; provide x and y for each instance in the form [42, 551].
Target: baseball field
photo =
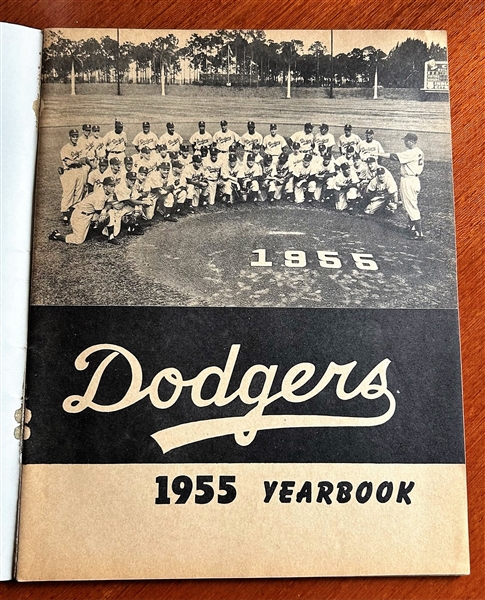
[252, 255]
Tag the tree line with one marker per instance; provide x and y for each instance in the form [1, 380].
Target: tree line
[238, 57]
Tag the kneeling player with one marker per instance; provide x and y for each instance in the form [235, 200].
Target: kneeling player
[231, 190]
[303, 181]
[346, 183]
[382, 191]
[249, 178]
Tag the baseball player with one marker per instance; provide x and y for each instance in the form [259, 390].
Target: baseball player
[346, 183]
[180, 190]
[229, 176]
[86, 212]
[86, 145]
[146, 158]
[196, 182]
[225, 138]
[303, 183]
[96, 176]
[71, 175]
[249, 178]
[121, 207]
[116, 141]
[99, 145]
[362, 171]
[212, 170]
[268, 179]
[274, 143]
[348, 139]
[172, 140]
[250, 138]
[381, 192]
[282, 177]
[324, 137]
[185, 158]
[305, 138]
[200, 139]
[347, 157]
[412, 164]
[145, 137]
[323, 171]
[114, 170]
[370, 146]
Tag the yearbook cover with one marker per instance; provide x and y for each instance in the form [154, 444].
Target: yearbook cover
[243, 352]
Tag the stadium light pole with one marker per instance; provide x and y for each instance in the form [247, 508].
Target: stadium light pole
[118, 61]
[331, 63]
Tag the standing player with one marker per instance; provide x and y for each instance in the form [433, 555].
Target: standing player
[250, 138]
[225, 138]
[325, 138]
[99, 145]
[71, 175]
[172, 140]
[145, 138]
[274, 143]
[370, 146]
[305, 138]
[412, 164]
[200, 139]
[348, 139]
[86, 145]
[116, 141]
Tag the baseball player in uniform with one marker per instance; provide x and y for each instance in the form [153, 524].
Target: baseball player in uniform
[381, 192]
[370, 146]
[303, 183]
[305, 138]
[71, 175]
[116, 141]
[323, 171]
[212, 170]
[200, 138]
[274, 143]
[86, 144]
[172, 140]
[196, 182]
[146, 158]
[225, 138]
[348, 139]
[87, 211]
[229, 173]
[324, 137]
[346, 183]
[99, 145]
[145, 137]
[180, 190]
[268, 179]
[250, 138]
[412, 164]
[114, 170]
[185, 158]
[249, 178]
[95, 177]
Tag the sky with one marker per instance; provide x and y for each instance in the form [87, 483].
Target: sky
[343, 40]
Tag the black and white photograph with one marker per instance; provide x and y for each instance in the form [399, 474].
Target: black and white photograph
[245, 168]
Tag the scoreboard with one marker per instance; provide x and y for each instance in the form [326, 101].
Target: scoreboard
[436, 76]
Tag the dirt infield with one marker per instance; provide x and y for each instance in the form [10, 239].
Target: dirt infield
[206, 259]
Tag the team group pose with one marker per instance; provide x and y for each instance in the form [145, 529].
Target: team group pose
[105, 188]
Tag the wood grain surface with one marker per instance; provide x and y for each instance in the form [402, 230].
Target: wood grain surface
[464, 20]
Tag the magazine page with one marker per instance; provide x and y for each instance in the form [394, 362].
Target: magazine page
[19, 90]
[244, 352]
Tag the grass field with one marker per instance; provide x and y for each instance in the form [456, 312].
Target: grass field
[206, 259]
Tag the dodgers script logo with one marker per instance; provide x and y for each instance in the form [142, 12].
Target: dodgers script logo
[245, 428]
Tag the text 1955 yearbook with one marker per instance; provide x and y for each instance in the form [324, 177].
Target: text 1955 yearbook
[243, 353]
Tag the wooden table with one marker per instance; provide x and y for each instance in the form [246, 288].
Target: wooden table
[464, 21]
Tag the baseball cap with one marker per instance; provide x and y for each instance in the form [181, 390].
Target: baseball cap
[308, 126]
[109, 181]
[145, 124]
[114, 161]
[184, 148]
[95, 128]
[349, 148]
[204, 151]
[345, 166]
[327, 156]
[163, 146]
[250, 156]
[323, 126]
[145, 149]
[371, 131]
[128, 159]
[356, 156]
[232, 157]
[74, 132]
[143, 170]
[214, 150]
[268, 159]
[196, 159]
[307, 158]
[86, 127]
[371, 159]
[131, 175]
[223, 122]
[177, 164]
[233, 148]
[170, 124]
[348, 126]
[119, 121]
[251, 124]
[273, 126]
[410, 136]
[296, 145]
[282, 158]
[201, 123]
[103, 161]
[380, 170]
[165, 163]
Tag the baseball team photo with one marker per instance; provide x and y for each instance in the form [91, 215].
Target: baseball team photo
[244, 168]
